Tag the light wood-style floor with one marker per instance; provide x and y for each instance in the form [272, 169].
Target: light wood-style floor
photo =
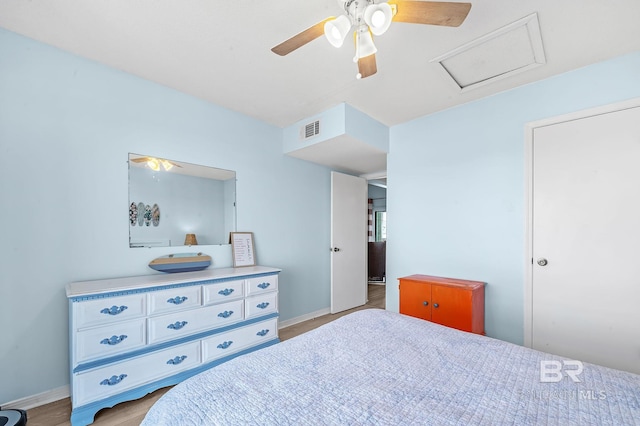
[131, 413]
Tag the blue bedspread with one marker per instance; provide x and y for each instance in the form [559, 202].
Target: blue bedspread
[382, 368]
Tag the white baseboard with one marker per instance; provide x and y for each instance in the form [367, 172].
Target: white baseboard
[33, 401]
[306, 317]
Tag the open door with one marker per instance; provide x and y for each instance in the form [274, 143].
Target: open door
[348, 242]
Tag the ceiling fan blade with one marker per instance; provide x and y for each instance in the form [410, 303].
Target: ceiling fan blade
[367, 66]
[447, 14]
[301, 39]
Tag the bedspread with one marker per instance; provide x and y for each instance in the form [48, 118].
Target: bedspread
[383, 368]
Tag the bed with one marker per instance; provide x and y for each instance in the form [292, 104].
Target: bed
[383, 368]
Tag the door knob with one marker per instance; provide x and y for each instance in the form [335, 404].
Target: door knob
[425, 303]
[435, 305]
[335, 249]
[542, 261]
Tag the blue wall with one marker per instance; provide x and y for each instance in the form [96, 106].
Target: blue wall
[455, 198]
[66, 127]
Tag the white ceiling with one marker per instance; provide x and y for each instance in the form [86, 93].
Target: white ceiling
[220, 50]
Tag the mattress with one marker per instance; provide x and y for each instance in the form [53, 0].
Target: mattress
[383, 368]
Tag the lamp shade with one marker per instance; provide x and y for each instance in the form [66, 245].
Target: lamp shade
[337, 30]
[190, 240]
[364, 43]
[378, 17]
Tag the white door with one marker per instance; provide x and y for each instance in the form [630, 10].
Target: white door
[348, 242]
[585, 288]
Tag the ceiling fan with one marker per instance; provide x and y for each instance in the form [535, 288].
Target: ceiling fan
[365, 18]
[154, 163]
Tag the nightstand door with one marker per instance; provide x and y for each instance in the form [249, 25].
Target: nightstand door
[451, 307]
[415, 299]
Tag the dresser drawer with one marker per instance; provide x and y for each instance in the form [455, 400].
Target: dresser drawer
[176, 325]
[115, 378]
[105, 341]
[262, 284]
[174, 299]
[224, 344]
[221, 292]
[109, 310]
[261, 304]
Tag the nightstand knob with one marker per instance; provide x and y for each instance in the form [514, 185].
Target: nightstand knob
[425, 303]
[435, 305]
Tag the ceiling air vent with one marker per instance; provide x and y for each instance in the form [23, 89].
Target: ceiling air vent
[310, 130]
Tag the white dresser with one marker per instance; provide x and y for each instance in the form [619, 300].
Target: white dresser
[131, 336]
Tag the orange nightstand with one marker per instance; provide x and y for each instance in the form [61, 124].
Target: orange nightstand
[446, 301]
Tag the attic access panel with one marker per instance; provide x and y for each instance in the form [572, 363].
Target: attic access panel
[509, 50]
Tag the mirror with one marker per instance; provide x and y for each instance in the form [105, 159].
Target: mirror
[170, 199]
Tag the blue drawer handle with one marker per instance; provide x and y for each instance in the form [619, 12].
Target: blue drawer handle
[263, 305]
[114, 310]
[264, 285]
[177, 300]
[225, 345]
[177, 360]
[226, 291]
[262, 333]
[177, 325]
[225, 314]
[113, 340]
[114, 380]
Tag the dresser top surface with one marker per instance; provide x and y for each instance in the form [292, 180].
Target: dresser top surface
[453, 282]
[84, 288]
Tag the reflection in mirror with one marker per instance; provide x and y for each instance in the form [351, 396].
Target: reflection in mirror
[169, 199]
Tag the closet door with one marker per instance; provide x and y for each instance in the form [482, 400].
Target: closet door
[586, 239]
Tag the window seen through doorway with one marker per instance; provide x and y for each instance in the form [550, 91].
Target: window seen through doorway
[381, 226]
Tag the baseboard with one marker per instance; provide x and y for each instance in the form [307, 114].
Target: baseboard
[43, 398]
[302, 318]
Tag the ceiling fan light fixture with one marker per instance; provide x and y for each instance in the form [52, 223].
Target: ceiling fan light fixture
[364, 43]
[378, 17]
[337, 30]
[168, 165]
[153, 164]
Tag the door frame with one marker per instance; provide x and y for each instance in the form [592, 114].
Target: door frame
[528, 169]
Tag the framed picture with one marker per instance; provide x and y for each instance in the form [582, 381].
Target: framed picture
[242, 249]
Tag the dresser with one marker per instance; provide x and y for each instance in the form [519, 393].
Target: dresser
[447, 301]
[130, 336]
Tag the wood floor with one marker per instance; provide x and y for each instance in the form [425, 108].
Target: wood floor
[131, 413]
